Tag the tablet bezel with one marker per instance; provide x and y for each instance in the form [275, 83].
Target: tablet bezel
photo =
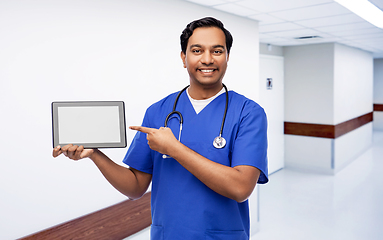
[122, 124]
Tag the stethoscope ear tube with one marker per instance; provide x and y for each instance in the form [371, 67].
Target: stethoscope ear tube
[174, 108]
[224, 115]
[170, 114]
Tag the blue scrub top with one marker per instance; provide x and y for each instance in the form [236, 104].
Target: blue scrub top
[182, 206]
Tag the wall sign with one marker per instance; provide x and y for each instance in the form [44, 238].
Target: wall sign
[269, 83]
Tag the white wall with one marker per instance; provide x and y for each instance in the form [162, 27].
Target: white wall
[88, 50]
[378, 81]
[309, 83]
[309, 153]
[378, 120]
[378, 92]
[353, 83]
[268, 49]
[351, 145]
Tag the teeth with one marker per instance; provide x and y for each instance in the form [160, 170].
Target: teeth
[207, 71]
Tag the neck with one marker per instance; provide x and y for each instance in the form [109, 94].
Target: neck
[204, 92]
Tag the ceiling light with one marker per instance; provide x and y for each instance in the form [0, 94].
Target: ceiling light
[308, 37]
[365, 10]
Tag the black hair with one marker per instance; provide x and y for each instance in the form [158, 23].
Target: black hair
[204, 22]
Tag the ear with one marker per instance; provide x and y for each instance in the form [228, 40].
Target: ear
[183, 57]
[227, 57]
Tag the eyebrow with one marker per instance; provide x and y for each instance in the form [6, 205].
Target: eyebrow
[200, 46]
[218, 46]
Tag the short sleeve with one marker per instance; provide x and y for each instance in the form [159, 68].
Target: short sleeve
[139, 154]
[250, 146]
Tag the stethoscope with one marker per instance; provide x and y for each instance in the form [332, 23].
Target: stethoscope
[219, 142]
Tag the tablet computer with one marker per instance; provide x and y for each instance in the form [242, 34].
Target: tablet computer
[93, 124]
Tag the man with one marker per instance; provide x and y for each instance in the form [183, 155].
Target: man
[198, 191]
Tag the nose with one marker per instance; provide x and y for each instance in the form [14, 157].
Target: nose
[207, 58]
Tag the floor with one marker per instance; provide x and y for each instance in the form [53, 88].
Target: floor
[298, 206]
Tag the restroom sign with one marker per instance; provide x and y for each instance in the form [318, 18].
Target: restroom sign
[269, 83]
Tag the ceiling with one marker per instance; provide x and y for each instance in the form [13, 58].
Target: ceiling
[283, 22]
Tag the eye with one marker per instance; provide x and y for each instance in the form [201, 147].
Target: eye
[196, 51]
[218, 52]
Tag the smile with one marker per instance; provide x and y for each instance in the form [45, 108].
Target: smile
[207, 70]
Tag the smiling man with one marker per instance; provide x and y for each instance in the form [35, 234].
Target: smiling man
[202, 179]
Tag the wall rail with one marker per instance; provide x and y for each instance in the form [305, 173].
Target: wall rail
[378, 107]
[327, 131]
[114, 223]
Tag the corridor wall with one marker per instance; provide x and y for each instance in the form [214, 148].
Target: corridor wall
[327, 87]
[378, 94]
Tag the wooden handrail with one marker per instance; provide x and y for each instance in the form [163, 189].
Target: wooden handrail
[378, 107]
[114, 223]
[325, 130]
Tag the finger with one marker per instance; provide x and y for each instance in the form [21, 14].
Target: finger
[142, 129]
[56, 151]
[77, 154]
[71, 151]
[66, 147]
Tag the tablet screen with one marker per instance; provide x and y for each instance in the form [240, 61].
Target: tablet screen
[91, 124]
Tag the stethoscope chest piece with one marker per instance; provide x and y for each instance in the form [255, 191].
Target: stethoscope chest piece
[219, 142]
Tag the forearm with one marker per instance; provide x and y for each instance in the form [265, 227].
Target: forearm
[235, 183]
[123, 179]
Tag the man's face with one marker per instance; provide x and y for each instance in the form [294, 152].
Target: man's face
[206, 57]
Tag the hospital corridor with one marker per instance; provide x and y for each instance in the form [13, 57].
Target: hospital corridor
[301, 205]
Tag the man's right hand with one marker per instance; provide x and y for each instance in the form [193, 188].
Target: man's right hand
[73, 152]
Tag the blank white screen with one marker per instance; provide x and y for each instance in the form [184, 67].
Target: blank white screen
[96, 124]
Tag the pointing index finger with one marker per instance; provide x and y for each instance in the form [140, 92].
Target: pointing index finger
[142, 129]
